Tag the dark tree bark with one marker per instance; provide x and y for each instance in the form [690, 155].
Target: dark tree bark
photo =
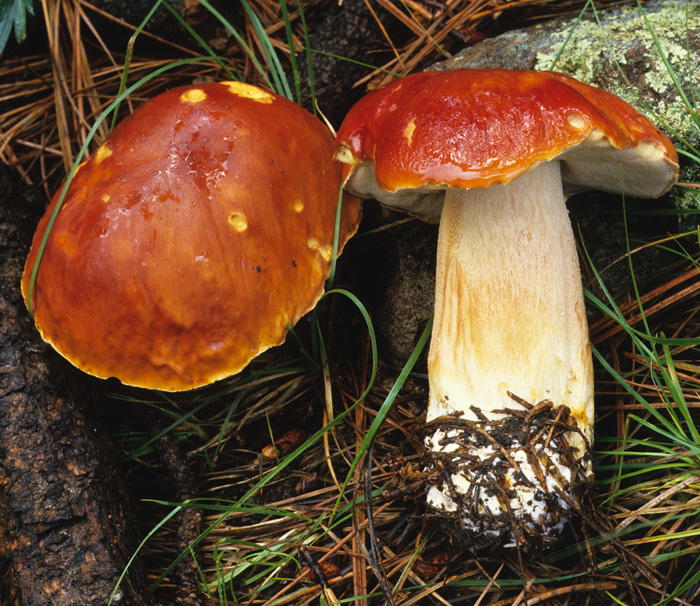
[65, 519]
[185, 575]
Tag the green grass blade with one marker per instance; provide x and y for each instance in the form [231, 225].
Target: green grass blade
[271, 58]
[292, 50]
[128, 57]
[239, 39]
[573, 28]
[336, 235]
[233, 75]
[309, 62]
[141, 545]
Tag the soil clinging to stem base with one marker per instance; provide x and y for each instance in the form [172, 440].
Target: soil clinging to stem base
[512, 481]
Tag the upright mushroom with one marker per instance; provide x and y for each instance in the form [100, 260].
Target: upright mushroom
[511, 383]
[192, 239]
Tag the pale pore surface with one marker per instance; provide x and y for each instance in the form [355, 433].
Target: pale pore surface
[509, 310]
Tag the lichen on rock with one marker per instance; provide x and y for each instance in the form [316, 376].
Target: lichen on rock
[629, 51]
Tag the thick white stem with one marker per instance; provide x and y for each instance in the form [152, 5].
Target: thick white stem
[509, 317]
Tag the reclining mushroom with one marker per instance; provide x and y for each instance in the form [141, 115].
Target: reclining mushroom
[191, 240]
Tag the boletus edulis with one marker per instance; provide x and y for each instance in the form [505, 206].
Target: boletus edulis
[492, 155]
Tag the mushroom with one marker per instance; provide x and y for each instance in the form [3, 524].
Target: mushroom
[492, 154]
[192, 239]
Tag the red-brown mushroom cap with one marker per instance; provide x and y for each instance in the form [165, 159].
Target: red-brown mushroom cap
[191, 239]
[473, 128]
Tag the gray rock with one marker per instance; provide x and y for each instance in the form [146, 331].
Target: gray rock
[406, 289]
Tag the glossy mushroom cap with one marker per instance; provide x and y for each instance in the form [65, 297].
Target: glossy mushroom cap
[189, 242]
[473, 128]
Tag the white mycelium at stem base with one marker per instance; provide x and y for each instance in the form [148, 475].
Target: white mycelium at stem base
[509, 319]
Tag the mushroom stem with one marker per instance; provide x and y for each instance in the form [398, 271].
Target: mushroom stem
[510, 325]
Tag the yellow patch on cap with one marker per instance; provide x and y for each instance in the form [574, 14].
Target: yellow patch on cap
[105, 198]
[238, 221]
[297, 205]
[576, 121]
[103, 152]
[249, 91]
[326, 251]
[194, 95]
[408, 131]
